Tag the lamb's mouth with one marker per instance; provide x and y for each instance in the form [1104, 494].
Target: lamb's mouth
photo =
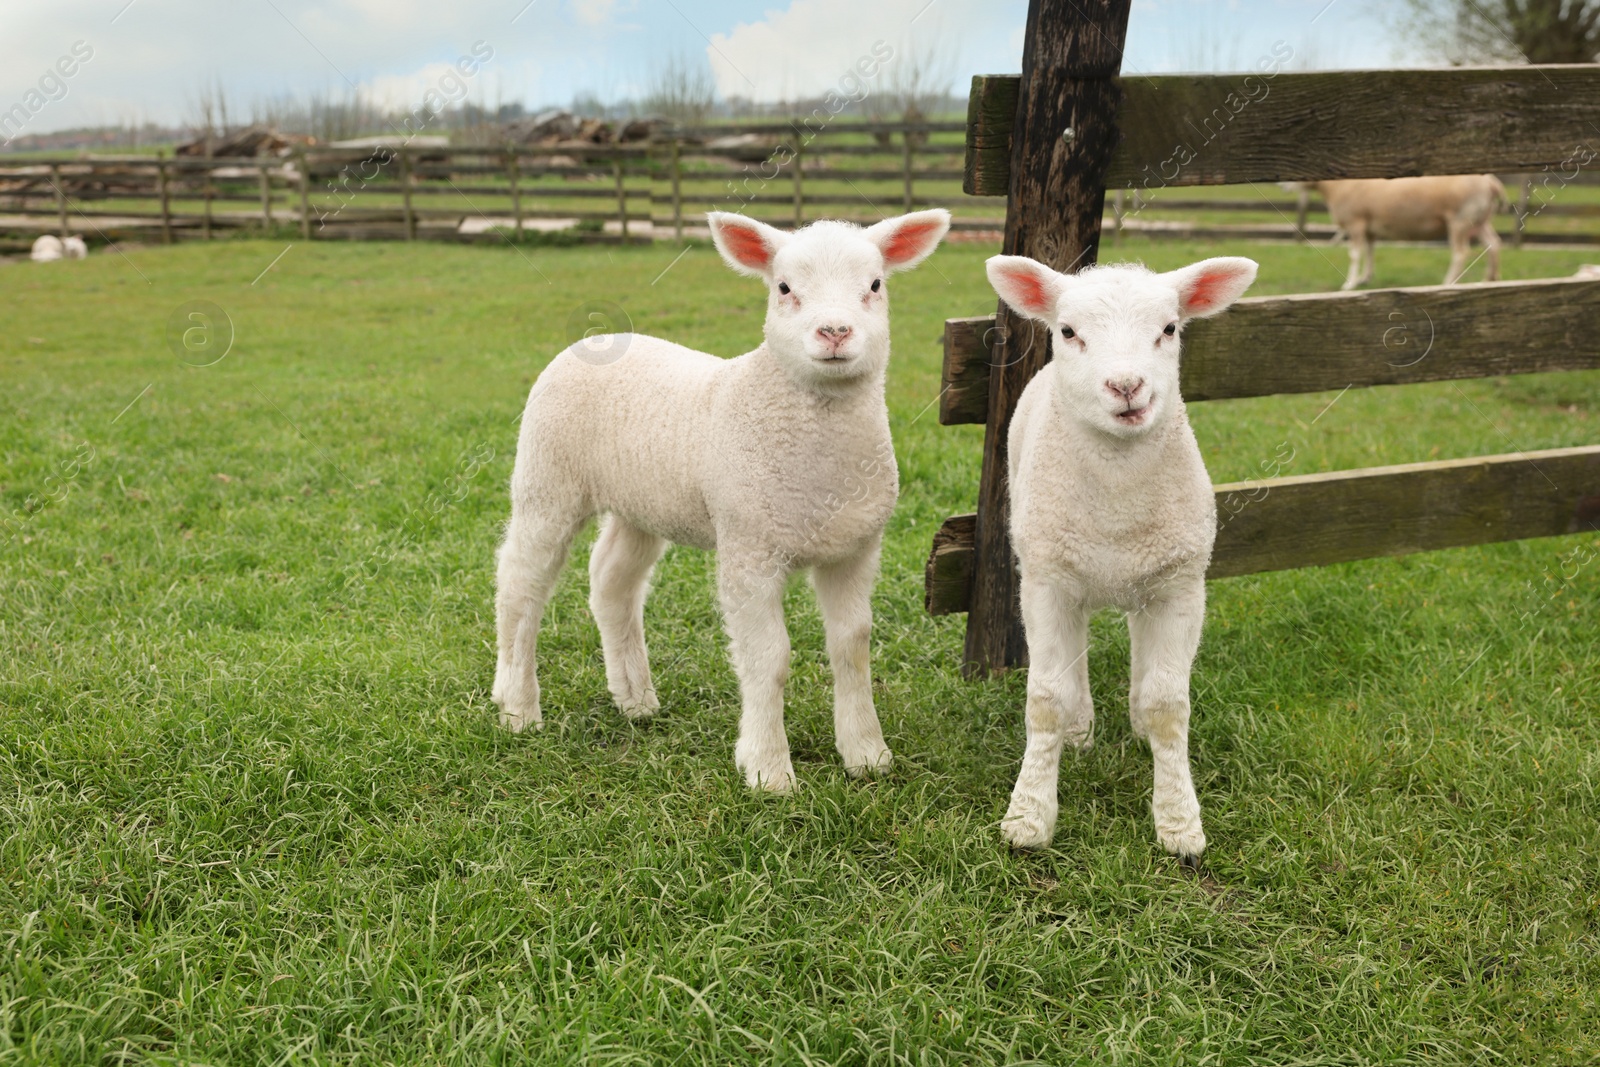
[1133, 416]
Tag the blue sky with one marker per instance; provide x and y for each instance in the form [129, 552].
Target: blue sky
[151, 57]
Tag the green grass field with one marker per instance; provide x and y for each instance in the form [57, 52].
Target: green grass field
[254, 807]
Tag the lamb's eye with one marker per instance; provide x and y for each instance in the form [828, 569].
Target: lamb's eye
[1067, 332]
[877, 283]
[1171, 330]
[783, 287]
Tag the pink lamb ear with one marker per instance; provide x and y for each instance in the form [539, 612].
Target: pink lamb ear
[909, 239]
[1207, 287]
[747, 245]
[1026, 285]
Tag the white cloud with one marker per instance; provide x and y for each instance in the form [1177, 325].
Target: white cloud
[406, 90]
[805, 49]
[593, 12]
[152, 60]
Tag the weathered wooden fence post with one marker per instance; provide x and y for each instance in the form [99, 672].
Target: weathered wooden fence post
[1063, 138]
[61, 197]
[905, 136]
[206, 191]
[405, 194]
[622, 194]
[514, 171]
[304, 168]
[266, 198]
[166, 203]
[799, 182]
[677, 189]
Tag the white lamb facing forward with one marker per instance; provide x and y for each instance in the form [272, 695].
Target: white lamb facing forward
[780, 460]
[1111, 506]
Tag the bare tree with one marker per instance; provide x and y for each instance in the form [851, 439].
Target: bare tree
[913, 84]
[207, 109]
[323, 115]
[1476, 31]
[681, 89]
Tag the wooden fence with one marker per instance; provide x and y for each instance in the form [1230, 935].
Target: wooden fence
[789, 175]
[792, 175]
[1057, 137]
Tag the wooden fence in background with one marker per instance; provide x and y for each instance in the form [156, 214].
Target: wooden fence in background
[786, 175]
[790, 174]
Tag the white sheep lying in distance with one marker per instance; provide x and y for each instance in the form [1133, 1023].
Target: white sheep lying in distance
[1111, 506]
[780, 460]
[47, 248]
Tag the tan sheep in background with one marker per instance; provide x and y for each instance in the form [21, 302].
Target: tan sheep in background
[1457, 207]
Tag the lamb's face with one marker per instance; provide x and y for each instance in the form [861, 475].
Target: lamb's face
[827, 287]
[828, 303]
[1114, 348]
[1115, 331]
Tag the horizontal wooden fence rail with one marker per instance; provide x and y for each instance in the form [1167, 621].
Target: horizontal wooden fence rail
[1230, 129]
[1319, 341]
[805, 125]
[1315, 520]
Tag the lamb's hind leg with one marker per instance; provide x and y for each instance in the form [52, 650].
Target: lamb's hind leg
[619, 581]
[1491, 250]
[844, 595]
[1360, 257]
[1460, 249]
[530, 562]
[1165, 634]
[1059, 708]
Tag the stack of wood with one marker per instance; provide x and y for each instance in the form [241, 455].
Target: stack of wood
[746, 147]
[563, 128]
[249, 142]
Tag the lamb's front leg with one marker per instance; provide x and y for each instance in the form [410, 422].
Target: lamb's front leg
[752, 609]
[844, 595]
[1165, 634]
[1059, 707]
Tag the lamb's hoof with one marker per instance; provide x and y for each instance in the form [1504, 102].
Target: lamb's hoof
[517, 700]
[780, 781]
[867, 760]
[1187, 845]
[637, 706]
[1190, 863]
[519, 720]
[1027, 830]
[771, 772]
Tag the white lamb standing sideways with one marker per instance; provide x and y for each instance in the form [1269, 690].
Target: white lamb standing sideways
[1111, 506]
[47, 248]
[779, 459]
